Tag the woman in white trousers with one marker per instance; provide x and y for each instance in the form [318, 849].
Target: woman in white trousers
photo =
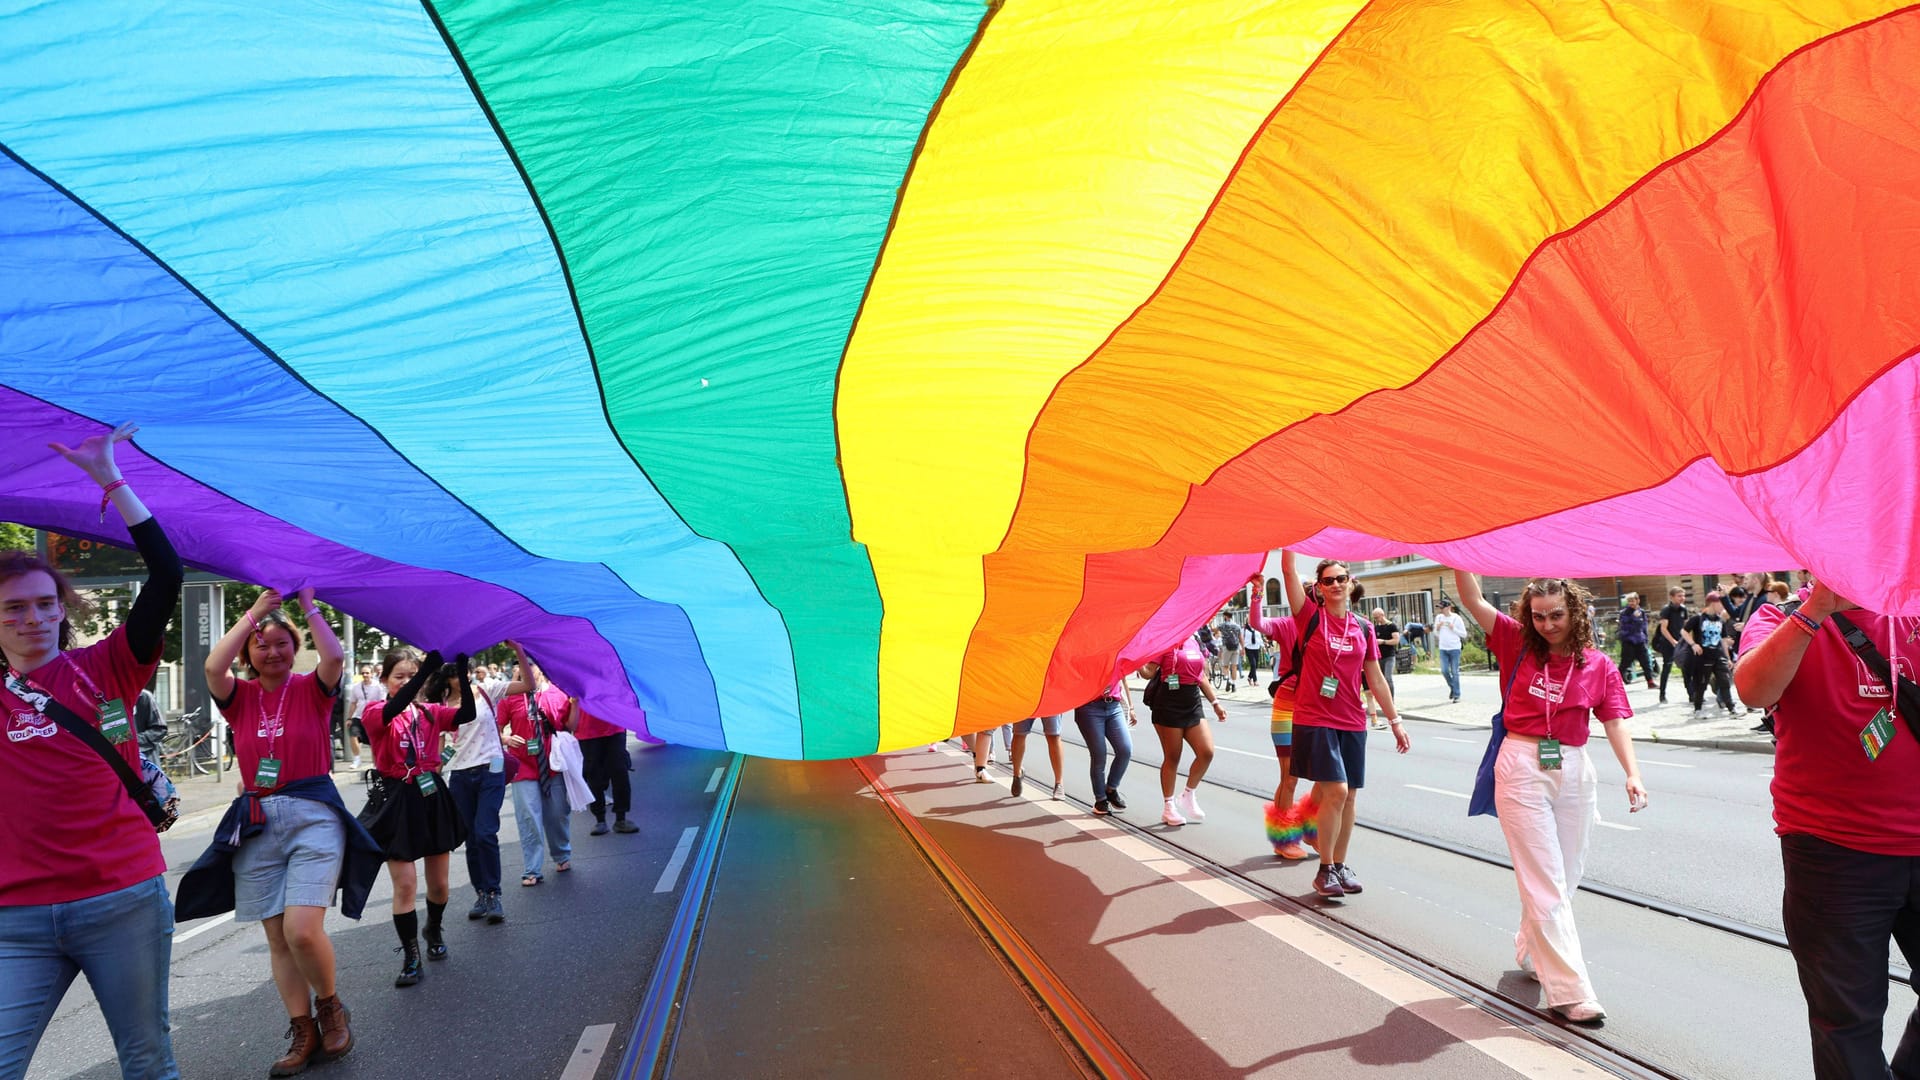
[1545, 789]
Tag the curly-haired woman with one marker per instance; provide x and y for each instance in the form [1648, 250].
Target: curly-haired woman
[1544, 786]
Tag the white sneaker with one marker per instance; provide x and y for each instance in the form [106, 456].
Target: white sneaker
[1583, 1012]
[1172, 814]
[1190, 805]
[1058, 793]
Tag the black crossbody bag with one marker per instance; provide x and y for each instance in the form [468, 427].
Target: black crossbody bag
[162, 816]
[1299, 650]
[1906, 692]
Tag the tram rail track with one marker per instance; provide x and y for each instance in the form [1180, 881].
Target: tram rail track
[1588, 1046]
[1657, 905]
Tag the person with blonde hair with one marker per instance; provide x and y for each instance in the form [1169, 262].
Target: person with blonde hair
[1544, 787]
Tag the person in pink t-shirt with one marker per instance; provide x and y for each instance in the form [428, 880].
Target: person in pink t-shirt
[81, 886]
[1846, 805]
[1179, 721]
[528, 723]
[604, 758]
[285, 876]
[1545, 789]
[1337, 654]
[410, 810]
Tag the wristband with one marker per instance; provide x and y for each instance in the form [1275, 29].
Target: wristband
[1804, 622]
[106, 494]
[253, 622]
[311, 612]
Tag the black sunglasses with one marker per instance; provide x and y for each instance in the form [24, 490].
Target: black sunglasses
[1340, 579]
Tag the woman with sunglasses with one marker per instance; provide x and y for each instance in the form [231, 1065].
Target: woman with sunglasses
[1543, 782]
[1337, 652]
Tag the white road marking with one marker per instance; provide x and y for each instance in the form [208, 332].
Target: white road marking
[1443, 738]
[671, 875]
[1248, 753]
[1439, 791]
[713, 785]
[584, 1062]
[218, 920]
[1664, 764]
[1617, 825]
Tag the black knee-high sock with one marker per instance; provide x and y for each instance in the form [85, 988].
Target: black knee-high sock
[434, 911]
[407, 925]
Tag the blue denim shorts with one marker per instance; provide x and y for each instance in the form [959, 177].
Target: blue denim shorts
[295, 861]
[1049, 725]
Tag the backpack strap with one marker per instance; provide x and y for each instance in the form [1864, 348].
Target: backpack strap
[1906, 694]
[137, 789]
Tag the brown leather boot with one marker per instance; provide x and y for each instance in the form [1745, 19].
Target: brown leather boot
[306, 1040]
[336, 1038]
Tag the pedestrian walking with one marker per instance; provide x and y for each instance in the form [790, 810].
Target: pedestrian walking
[528, 723]
[1329, 722]
[1101, 729]
[1449, 636]
[477, 779]
[81, 887]
[1287, 820]
[1545, 789]
[292, 828]
[1387, 635]
[1050, 727]
[364, 691]
[1255, 644]
[1668, 641]
[409, 810]
[1705, 635]
[603, 752]
[1633, 639]
[1229, 637]
[1181, 724]
[1847, 811]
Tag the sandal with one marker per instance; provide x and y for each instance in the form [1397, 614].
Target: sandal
[530, 879]
[562, 867]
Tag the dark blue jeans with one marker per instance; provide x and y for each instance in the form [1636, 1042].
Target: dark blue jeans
[1840, 908]
[123, 940]
[1100, 723]
[479, 794]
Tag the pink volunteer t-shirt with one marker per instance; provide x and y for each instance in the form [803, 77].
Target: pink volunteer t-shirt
[73, 831]
[591, 726]
[1340, 647]
[1189, 662]
[1571, 694]
[1824, 785]
[512, 712]
[1281, 634]
[419, 727]
[293, 723]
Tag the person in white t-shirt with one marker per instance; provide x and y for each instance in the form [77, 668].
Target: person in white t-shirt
[1449, 633]
[360, 693]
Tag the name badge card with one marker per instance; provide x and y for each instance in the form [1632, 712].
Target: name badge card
[113, 722]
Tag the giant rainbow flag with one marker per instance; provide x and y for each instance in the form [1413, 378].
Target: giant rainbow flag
[829, 375]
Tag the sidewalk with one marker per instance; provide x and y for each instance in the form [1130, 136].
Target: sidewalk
[1424, 697]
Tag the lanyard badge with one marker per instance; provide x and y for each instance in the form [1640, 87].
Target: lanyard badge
[1878, 734]
[1549, 753]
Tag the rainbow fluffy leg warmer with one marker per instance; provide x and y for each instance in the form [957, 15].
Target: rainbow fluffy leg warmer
[1297, 824]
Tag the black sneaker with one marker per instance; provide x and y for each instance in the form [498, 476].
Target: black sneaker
[1113, 797]
[1327, 882]
[1018, 787]
[1100, 808]
[495, 913]
[479, 908]
[599, 828]
[1347, 880]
